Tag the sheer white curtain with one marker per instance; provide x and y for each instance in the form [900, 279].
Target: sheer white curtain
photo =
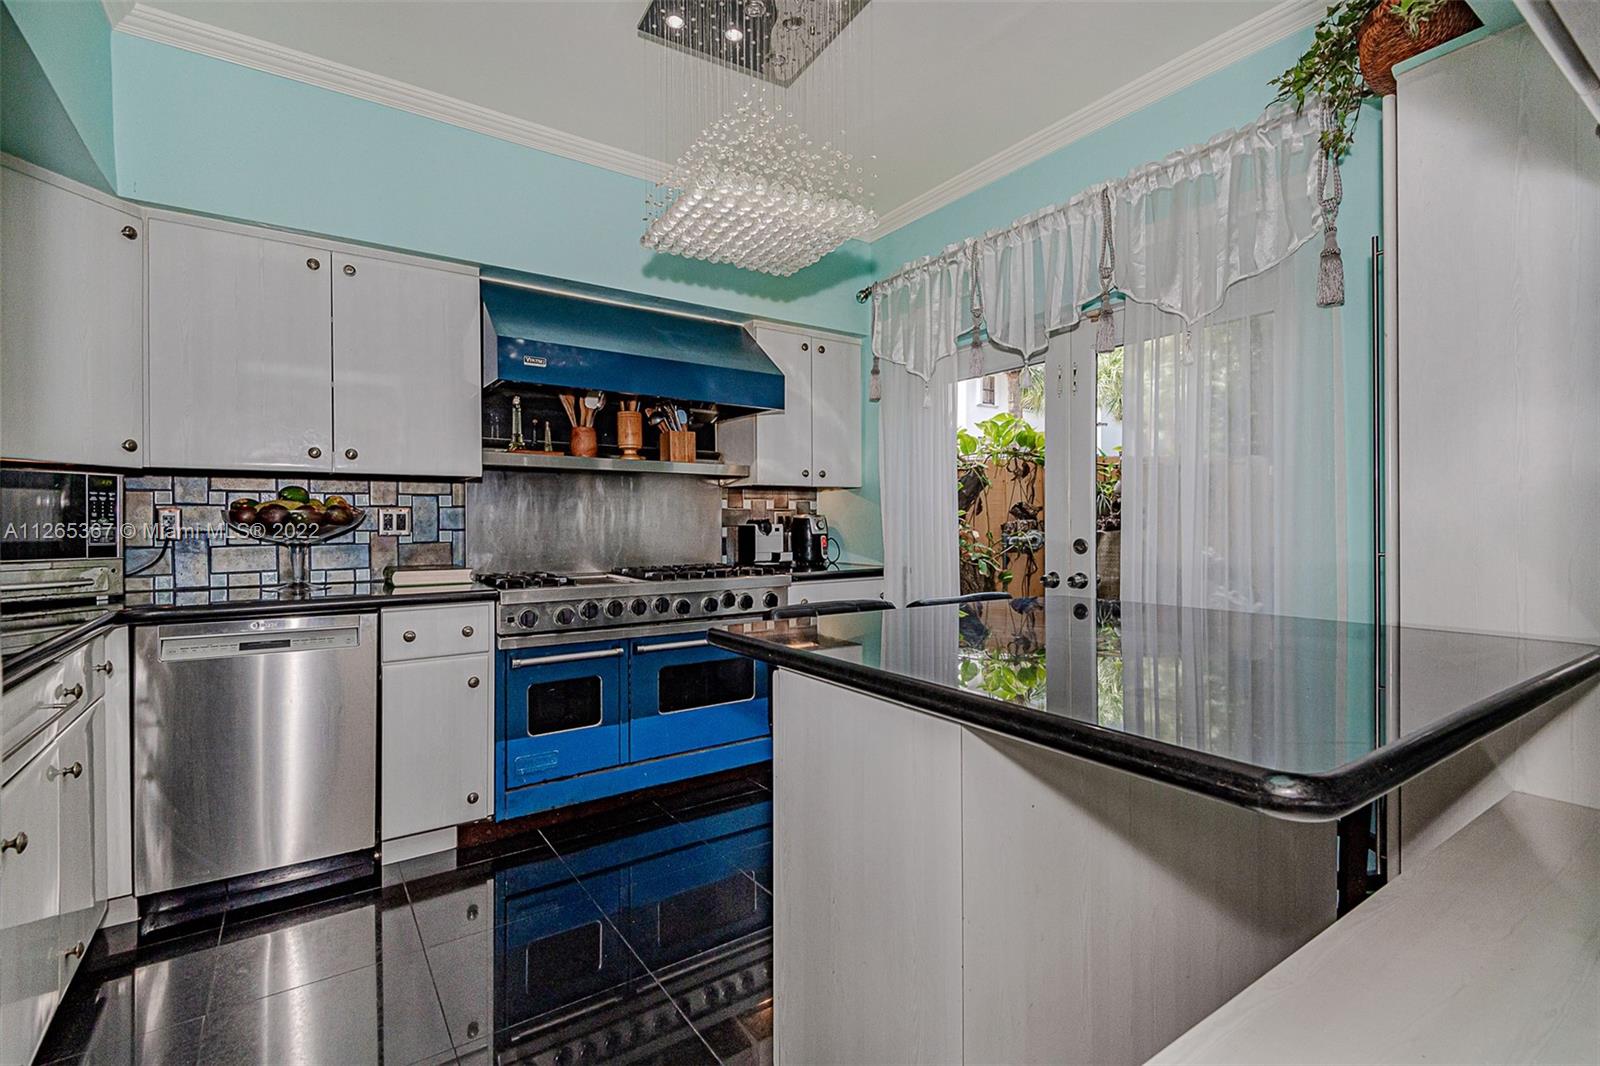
[1233, 465]
[917, 479]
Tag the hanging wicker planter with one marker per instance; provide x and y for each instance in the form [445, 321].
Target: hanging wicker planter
[1385, 40]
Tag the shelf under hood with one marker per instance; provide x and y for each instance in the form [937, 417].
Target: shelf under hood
[582, 339]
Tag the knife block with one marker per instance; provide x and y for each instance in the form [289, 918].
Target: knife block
[677, 445]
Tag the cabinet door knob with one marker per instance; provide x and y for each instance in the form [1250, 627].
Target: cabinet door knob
[472, 797]
[75, 770]
[472, 908]
[313, 264]
[130, 233]
[351, 453]
[349, 271]
[314, 452]
[805, 473]
[822, 349]
[105, 668]
[472, 1030]
[822, 473]
[18, 844]
[804, 347]
[74, 693]
[409, 635]
[466, 631]
[472, 682]
[76, 952]
[130, 445]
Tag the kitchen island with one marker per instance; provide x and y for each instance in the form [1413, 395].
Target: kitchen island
[1034, 831]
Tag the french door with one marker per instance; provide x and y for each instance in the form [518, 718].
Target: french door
[1073, 440]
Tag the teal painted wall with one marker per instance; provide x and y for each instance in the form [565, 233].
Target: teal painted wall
[69, 42]
[1231, 97]
[34, 124]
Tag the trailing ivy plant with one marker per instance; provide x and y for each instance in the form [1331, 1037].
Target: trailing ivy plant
[1331, 68]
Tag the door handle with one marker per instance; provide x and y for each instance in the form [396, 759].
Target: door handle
[1078, 581]
[1051, 580]
[570, 657]
[675, 645]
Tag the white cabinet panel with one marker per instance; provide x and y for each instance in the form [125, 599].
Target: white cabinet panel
[436, 738]
[782, 439]
[29, 895]
[406, 369]
[81, 839]
[73, 305]
[241, 351]
[836, 414]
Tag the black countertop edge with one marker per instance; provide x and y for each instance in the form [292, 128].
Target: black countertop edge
[1307, 797]
[24, 664]
[842, 572]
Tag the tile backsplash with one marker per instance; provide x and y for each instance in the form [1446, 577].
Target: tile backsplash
[209, 555]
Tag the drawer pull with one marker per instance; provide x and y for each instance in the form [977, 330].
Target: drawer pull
[75, 770]
[472, 682]
[409, 635]
[18, 844]
[466, 631]
[472, 908]
[76, 952]
[571, 657]
[675, 645]
[105, 668]
[76, 692]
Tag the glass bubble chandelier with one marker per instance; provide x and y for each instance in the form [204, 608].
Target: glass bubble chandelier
[753, 188]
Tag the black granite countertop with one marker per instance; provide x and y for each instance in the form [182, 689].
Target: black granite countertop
[1297, 717]
[76, 624]
[838, 572]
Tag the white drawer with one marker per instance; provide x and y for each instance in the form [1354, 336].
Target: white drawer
[61, 692]
[428, 632]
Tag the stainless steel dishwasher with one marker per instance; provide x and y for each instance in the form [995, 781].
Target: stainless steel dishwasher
[255, 746]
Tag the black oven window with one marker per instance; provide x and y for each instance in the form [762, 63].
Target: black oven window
[554, 706]
[706, 684]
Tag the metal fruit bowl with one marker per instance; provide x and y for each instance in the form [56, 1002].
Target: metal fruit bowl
[293, 535]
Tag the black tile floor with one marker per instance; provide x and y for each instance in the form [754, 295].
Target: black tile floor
[643, 934]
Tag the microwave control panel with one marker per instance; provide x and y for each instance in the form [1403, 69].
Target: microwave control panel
[102, 506]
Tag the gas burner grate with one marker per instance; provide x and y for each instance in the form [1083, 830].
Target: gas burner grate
[526, 579]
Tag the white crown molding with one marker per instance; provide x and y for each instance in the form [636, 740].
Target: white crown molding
[165, 27]
[1248, 37]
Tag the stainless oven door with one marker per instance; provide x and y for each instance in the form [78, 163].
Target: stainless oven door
[560, 710]
[686, 695]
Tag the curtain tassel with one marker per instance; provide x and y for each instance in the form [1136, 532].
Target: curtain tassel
[1105, 338]
[874, 383]
[1330, 268]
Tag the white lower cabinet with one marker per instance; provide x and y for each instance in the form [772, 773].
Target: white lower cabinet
[52, 893]
[437, 719]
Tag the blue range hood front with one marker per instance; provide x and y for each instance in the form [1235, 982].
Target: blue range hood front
[535, 334]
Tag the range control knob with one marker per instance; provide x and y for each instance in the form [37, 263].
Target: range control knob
[682, 607]
[615, 608]
[565, 616]
[528, 619]
[769, 600]
[641, 606]
[662, 604]
[746, 602]
[708, 604]
[729, 599]
[590, 610]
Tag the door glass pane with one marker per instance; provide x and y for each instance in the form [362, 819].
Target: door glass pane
[705, 684]
[1108, 474]
[572, 703]
[1000, 481]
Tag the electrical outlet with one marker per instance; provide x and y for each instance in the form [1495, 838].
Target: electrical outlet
[394, 521]
[169, 523]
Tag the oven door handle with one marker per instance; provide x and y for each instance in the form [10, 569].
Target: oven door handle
[676, 645]
[34, 586]
[570, 657]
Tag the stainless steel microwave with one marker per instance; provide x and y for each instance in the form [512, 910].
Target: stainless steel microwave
[60, 533]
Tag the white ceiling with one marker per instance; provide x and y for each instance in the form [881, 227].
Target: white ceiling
[957, 82]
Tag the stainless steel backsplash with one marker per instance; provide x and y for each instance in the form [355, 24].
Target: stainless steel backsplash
[576, 522]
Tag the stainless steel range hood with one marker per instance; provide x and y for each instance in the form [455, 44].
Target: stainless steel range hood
[541, 332]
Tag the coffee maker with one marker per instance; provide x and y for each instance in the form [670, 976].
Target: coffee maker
[808, 542]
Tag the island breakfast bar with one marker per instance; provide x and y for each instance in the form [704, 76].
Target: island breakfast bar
[1037, 831]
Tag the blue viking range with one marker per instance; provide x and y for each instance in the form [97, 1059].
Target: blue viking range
[605, 682]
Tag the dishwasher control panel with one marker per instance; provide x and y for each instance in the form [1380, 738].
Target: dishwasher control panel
[223, 645]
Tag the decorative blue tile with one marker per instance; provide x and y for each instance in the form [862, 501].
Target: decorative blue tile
[136, 559]
[164, 581]
[219, 580]
[452, 518]
[163, 497]
[424, 519]
[190, 489]
[192, 565]
[232, 560]
[248, 579]
[151, 484]
[339, 557]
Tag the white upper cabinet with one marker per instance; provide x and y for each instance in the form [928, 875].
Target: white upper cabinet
[406, 369]
[270, 351]
[816, 439]
[73, 307]
[241, 351]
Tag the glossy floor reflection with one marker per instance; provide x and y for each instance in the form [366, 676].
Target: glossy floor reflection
[641, 935]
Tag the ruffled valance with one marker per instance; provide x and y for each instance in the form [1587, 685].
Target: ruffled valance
[1183, 230]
